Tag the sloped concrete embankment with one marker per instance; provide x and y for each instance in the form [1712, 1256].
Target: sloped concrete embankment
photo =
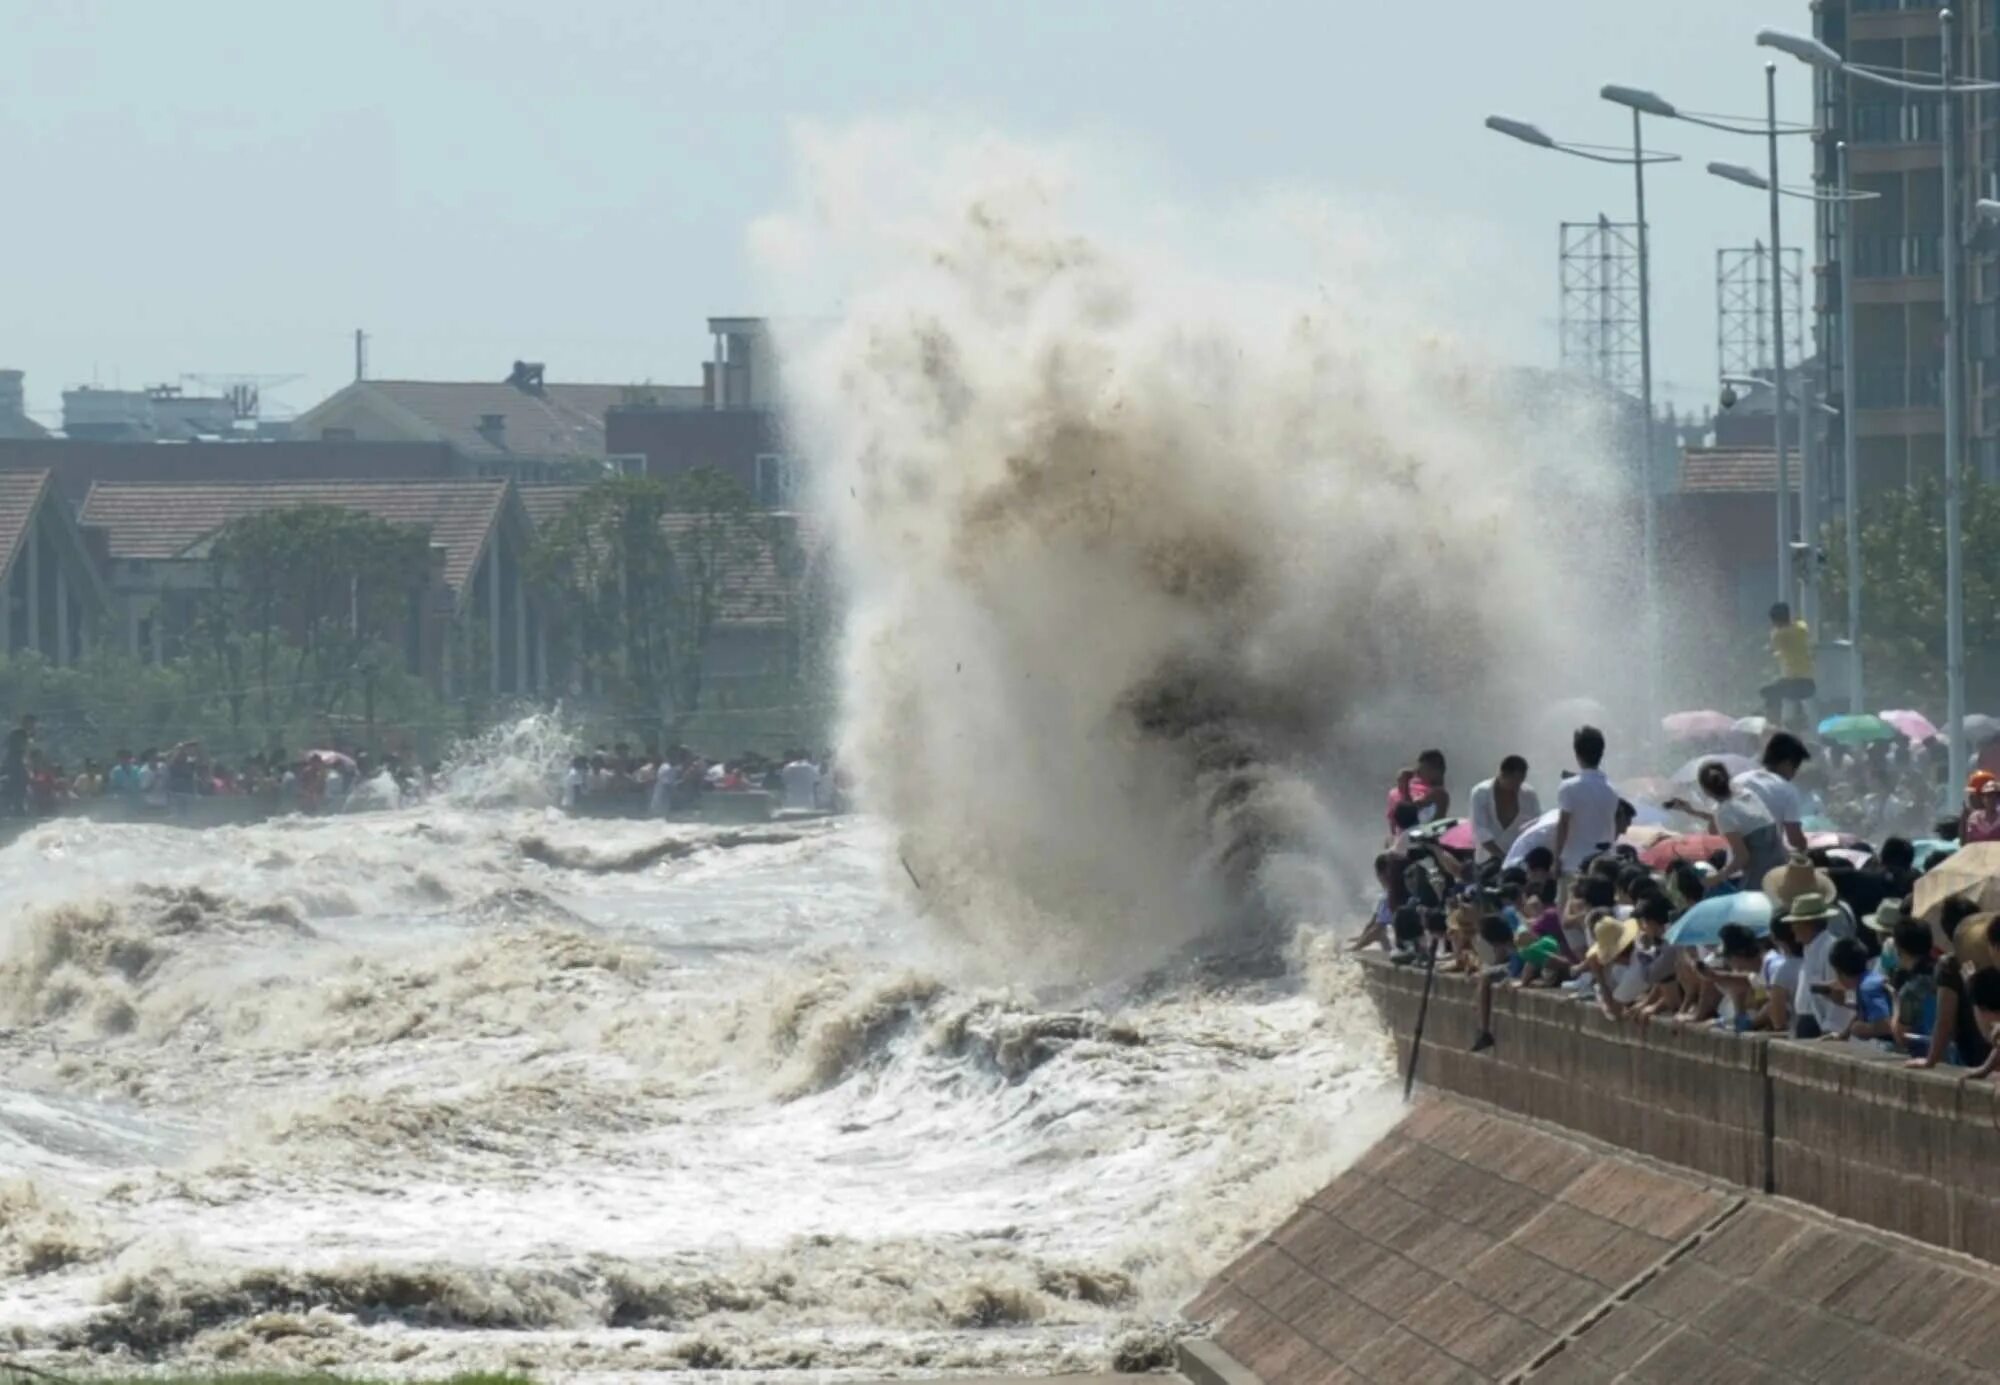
[1595, 1204]
[1471, 1246]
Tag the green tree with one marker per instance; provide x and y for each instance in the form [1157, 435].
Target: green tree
[309, 608]
[1903, 589]
[644, 570]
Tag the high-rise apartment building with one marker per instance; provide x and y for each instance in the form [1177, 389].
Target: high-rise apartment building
[1895, 151]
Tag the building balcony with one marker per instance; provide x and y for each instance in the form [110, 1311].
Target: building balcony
[1892, 122]
[1898, 257]
[1898, 387]
[1895, 401]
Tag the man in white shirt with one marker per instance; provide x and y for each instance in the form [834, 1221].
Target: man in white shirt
[1817, 1012]
[1503, 807]
[1587, 803]
[1783, 757]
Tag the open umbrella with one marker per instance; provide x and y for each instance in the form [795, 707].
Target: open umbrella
[1927, 847]
[1857, 730]
[1459, 838]
[1972, 874]
[1980, 728]
[1647, 835]
[1698, 726]
[1664, 853]
[1685, 776]
[1702, 925]
[1835, 841]
[1915, 725]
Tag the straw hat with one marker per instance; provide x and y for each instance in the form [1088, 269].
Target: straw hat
[1811, 907]
[1797, 877]
[1887, 919]
[1613, 937]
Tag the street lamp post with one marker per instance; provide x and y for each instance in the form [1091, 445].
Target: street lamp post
[1812, 51]
[1770, 128]
[1850, 436]
[1846, 197]
[1806, 491]
[1637, 160]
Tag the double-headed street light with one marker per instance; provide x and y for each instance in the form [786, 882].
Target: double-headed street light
[1637, 160]
[1845, 198]
[1810, 50]
[1643, 102]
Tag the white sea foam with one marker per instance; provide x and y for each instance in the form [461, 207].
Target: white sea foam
[727, 1110]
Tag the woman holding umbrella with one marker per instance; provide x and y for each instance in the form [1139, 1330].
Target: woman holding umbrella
[1756, 842]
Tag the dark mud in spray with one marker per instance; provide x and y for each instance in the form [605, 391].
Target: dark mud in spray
[1153, 571]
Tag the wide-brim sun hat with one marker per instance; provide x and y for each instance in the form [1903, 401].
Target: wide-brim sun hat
[1812, 907]
[1613, 936]
[1797, 877]
[1887, 919]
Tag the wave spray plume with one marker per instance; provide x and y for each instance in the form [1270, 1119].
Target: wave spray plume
[1149, 568]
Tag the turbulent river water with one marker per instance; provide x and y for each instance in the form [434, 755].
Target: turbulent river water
[463, 1085]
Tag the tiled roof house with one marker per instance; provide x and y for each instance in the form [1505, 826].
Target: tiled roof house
[158, 535]
[52, 595]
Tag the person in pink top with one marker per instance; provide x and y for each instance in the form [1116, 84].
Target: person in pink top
[1423, 786]
[1981, 820]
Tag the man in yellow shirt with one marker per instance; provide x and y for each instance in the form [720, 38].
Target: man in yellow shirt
[1791, 643]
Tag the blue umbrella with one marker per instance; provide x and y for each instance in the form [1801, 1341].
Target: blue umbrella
[1702, 925]
[1927, 847]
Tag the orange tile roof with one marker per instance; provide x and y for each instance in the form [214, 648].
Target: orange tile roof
[166, 519]
[20, 492]
[760, 584]
[758, 588]
[1743, 470]
[546, 503]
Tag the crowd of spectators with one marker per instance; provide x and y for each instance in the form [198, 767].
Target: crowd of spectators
[1723, 910]
[166, 780]
[616, 779]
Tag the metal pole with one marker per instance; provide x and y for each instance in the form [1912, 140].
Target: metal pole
[1850, 411]
[1423, 1013]
[1811, 458]
[1649, 455]
[1954, 556]
[1782, 394]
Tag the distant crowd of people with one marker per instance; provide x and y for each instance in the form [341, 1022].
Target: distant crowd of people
[615, 778]
[1732, 907]
[34, 784]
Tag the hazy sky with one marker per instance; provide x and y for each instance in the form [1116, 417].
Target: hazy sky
[202, 186]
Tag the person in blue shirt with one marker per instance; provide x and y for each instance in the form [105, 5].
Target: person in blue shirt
[124, 776]
[1865, 991]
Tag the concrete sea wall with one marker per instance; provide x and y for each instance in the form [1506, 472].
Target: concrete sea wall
[1837, 1126]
